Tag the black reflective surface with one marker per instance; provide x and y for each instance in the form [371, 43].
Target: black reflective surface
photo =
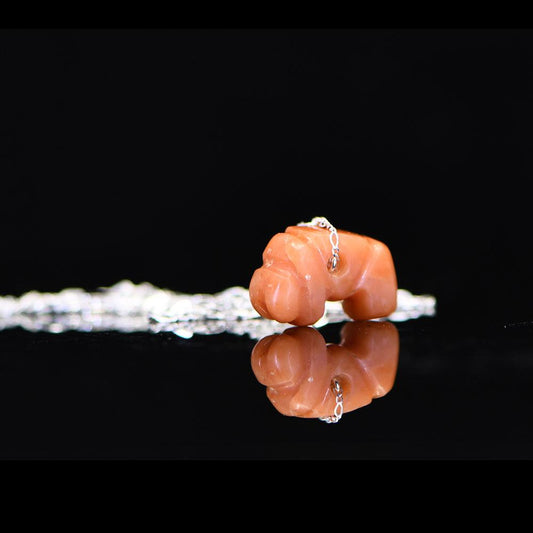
[458, 393]
[173, 156]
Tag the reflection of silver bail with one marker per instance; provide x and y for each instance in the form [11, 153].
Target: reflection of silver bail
[339, 403]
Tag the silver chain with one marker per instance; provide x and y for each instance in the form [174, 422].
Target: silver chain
[323, 222]
[128, 307]
[339, 403]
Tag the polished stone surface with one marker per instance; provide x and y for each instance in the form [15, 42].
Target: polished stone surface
[294, 281]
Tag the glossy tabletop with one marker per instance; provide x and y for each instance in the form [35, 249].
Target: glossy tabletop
[447, 392]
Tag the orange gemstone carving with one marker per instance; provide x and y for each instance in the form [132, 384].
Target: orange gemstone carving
[295, 281]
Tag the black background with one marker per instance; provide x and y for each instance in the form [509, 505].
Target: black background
[172, 156]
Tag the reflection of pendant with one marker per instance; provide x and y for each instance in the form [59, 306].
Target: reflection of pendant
[300, 370]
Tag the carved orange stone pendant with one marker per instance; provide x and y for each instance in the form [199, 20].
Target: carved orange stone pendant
[304, 267]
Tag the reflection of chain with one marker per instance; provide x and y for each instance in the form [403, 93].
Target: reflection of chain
[323, 222]
[339, 403]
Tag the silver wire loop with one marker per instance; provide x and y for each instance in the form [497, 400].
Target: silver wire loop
[323, 222]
